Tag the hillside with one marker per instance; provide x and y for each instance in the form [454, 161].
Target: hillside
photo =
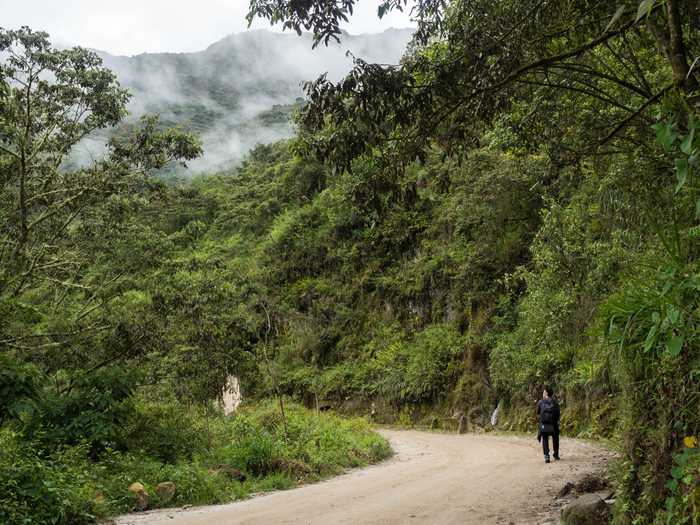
[511, 213]
[242, 90]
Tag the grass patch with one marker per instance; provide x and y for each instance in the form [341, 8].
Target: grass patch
[68, 487]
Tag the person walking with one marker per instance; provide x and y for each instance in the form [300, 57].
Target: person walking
[548, 423]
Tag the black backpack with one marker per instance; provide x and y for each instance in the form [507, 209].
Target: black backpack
[547, 412]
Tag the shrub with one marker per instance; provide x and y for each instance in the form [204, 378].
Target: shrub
[414, 371]
[432, 364]
[195, 484]
[654, 331]
[252, 450]
[93, 410]
[683, 502]
[164, 431]
[34, 490]
[73, 486]
[19, 388]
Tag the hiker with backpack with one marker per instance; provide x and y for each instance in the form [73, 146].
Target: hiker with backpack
[548, 423]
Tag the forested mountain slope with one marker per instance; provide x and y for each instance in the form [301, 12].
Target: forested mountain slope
[515, 204]
[242, 90]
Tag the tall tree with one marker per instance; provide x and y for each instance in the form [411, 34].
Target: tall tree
[51, 100]
[473, 58]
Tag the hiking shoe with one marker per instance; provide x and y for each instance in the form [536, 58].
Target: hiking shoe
[546, 459]
[556, 458]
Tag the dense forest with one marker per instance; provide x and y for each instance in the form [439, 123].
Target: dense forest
[515, 204]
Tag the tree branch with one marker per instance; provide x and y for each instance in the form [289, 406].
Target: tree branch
[634, 115]
[554, 59]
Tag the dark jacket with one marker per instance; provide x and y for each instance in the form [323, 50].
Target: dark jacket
[548, 427]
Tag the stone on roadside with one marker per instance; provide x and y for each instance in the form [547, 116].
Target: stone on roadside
[142, 501]
[589, 509]
[165, 491]
[591, 483]
[136, 487]
[606, 494]
[139, 492]
[565, 490]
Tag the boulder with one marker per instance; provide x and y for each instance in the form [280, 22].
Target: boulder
[566, 490]
[591, 483]
[165, 491]
[139, 492]
[136, 487]
[589, 509]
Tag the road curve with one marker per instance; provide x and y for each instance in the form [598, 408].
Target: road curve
[433, 479]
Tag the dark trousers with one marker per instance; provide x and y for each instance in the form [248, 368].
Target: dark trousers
[555, 442]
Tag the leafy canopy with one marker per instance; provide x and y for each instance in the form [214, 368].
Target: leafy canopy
[474, 59]
[50, 100]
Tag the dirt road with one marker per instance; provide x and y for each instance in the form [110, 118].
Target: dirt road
[432, 479]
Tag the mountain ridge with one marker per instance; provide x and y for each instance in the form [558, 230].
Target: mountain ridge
[242, 89]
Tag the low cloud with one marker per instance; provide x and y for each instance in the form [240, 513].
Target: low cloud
[235, 94]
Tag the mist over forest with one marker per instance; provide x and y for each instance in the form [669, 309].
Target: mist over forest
[240, 91]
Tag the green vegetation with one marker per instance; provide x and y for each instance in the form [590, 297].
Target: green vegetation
[210, 459]
[121, 321]
[516, 203]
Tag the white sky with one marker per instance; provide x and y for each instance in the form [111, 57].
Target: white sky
[130, 27]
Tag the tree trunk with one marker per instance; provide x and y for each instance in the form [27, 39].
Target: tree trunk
[23, 230]
[677, 54]
[669, 38]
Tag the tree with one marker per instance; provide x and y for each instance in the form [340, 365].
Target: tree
[474, 58]
[324, 17]
[574, 84]
[50, 100]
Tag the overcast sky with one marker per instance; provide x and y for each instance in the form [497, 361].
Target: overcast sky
[130, 27]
